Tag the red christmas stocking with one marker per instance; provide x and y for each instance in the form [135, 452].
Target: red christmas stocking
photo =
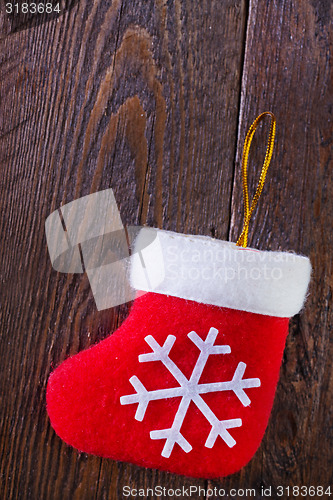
[187, 383]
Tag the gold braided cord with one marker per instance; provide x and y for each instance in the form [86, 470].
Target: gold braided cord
[248, 211]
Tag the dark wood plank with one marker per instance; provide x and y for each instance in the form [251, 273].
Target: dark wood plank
[139, 96]
[288, 70]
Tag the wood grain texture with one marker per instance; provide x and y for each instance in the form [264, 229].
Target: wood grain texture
[153, 99]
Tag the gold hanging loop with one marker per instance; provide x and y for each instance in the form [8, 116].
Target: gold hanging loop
[248, 211]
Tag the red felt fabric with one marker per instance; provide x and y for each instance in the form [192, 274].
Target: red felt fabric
[83, 394]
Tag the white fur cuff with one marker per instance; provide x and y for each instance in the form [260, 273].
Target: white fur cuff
[220, 273]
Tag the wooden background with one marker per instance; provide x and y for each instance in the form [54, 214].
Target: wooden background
[153, 98]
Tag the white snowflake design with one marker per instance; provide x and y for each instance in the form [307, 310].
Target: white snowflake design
[190, 390]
